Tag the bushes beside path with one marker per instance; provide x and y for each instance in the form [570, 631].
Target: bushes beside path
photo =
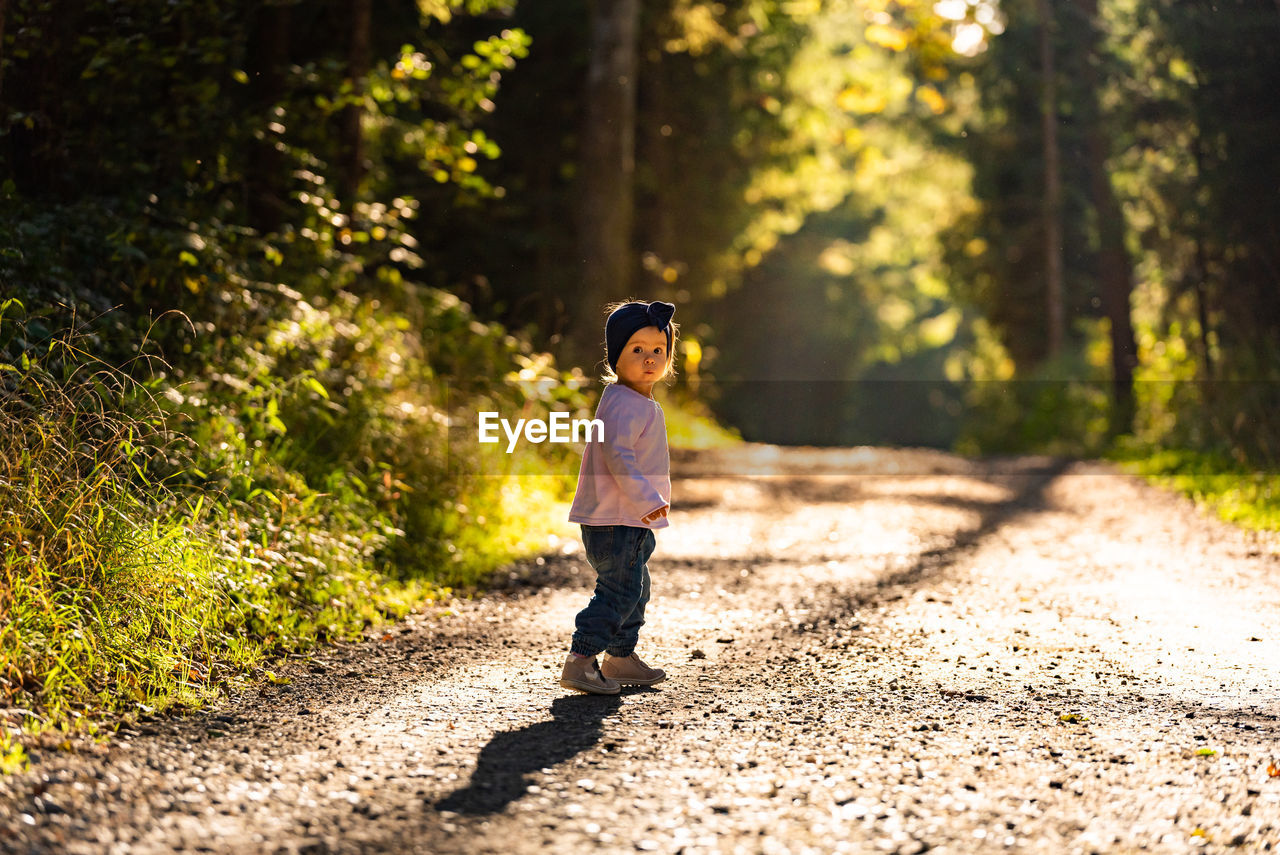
[1230, 488]
[166, 530]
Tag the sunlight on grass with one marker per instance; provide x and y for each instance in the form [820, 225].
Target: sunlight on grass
[144, 570]
[13, 757]
[691, 426]
[1234, 493]
[534, 509]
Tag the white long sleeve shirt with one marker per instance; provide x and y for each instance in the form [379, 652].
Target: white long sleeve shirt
[628, 476]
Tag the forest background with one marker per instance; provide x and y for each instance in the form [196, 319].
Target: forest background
[263, 261]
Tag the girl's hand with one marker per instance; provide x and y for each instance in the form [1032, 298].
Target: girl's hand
[656, 515]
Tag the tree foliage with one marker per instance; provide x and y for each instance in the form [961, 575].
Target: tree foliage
[171, 174]
[861, 179]
[262, 261]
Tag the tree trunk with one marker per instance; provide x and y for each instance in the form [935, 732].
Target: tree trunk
[1115, 274]
[264, 168]
[657, 233]
[4, 13]
[1115, 268]
[607, 160]
[1052, 186]
[351, 158]
[1202, 271]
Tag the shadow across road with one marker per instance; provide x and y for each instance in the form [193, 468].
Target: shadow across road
[576, 724]
[1027, 483]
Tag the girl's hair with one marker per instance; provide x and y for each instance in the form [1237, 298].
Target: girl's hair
[608, 376]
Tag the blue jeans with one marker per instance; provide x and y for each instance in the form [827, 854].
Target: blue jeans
[611, 621]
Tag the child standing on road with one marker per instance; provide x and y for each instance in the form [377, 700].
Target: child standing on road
[624, 491]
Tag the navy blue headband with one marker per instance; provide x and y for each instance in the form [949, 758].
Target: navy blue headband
[628, 319]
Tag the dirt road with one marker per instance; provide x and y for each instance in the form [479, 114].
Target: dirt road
[870, 651]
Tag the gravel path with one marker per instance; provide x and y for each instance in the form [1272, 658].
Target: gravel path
[871, 651]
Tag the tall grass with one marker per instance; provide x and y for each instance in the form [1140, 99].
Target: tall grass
[117, 592]
[145, 568]
[1244, 495]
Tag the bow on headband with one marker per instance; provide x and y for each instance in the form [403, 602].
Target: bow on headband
[629, 318]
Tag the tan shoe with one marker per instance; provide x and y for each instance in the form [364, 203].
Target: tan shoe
[631, 671]
[584, 675]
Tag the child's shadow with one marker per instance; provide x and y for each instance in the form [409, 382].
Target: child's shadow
[499, 778]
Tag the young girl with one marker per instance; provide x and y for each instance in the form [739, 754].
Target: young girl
[624, 491]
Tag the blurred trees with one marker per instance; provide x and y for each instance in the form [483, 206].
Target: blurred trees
[987, 224]
[843, 323]
[1052, 156]
[1025, 129]
[709, 121]
[1079, 240]
[1114, 265]
[1207, 213]
[846, 191]
[264, 168]
[606, 184]
[1170, 211]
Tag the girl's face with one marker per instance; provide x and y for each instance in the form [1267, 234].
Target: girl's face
[644, 360]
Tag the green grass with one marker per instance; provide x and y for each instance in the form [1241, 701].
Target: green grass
[690, 425]
[167, 535]
[119, 598]
[1235, 492]
[117, 601]
[145, 570]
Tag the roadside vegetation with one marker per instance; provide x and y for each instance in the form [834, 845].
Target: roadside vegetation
[262, 263]
[1233, 491]
[164, 541]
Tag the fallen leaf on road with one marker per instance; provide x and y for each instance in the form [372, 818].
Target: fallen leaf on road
[1073, 718]
[1273, 771]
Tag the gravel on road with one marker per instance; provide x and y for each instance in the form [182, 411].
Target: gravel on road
[869, 650]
